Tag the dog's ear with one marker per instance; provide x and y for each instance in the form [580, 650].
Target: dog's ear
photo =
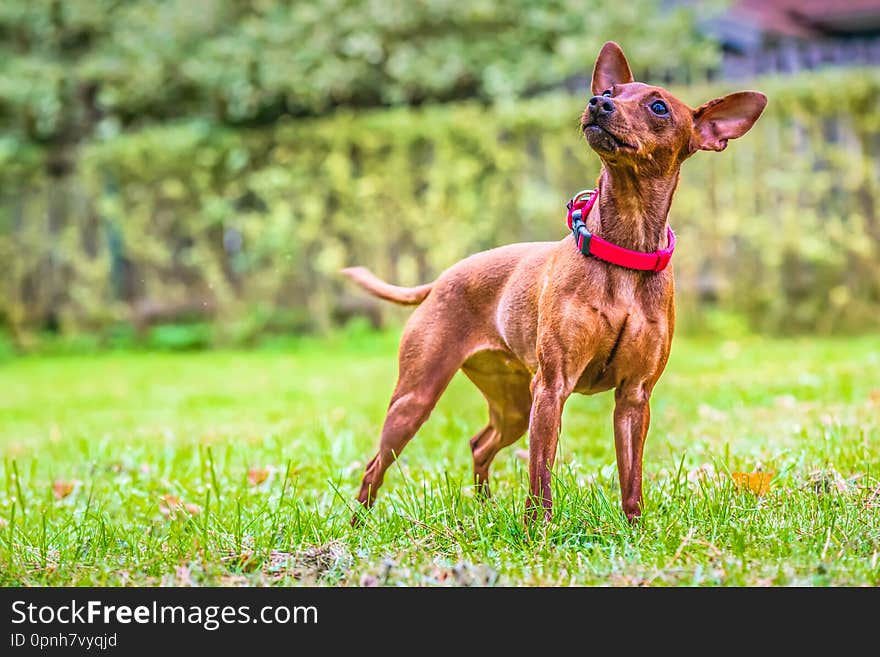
[726, 118]
[611, 68]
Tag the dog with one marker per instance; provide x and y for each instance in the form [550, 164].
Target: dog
[529, 324]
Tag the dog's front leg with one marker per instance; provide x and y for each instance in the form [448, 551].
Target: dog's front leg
[548, 397]
[632, 414]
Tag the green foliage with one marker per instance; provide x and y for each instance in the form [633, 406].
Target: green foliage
[155, 166]
[248, 223]
[180, 337]
[7, 348]
[126, 430]
[65, 64]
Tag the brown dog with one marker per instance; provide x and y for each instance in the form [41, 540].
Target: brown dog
[531, 323]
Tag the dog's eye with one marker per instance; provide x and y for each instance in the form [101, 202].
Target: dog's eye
[659, 108]
[607, 92]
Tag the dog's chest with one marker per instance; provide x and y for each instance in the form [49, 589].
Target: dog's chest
[620, 338]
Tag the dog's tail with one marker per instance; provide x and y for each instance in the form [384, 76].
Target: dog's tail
[405, 296]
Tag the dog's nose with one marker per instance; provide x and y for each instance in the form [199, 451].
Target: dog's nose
[600, 105]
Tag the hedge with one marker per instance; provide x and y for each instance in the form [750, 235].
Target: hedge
[247, 228]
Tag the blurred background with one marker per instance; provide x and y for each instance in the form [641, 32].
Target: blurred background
[193, 173]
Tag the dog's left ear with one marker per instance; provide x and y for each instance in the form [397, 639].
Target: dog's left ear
[726, 118]
[611, 68]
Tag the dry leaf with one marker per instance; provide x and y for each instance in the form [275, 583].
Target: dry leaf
[62, 489]
[754, 482]
[192, 509]
[257, 476]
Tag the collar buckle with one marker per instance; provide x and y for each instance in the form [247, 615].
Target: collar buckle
[592, 245]
[579, 206]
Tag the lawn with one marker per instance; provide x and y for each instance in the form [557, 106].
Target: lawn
[239, 468]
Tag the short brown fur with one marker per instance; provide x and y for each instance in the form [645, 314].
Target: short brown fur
[532, 323]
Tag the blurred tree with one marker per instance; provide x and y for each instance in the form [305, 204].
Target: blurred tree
[247, 228]
[160, 157]
[68, 63]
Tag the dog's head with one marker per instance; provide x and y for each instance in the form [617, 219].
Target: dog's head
[645, 127]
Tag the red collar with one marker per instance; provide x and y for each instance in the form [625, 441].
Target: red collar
[593, 245]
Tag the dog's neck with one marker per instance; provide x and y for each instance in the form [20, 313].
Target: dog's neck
[632, 210]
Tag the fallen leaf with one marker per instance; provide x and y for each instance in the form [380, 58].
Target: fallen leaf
[62, 489]
[257, 476]
[754, 482]
[192, 509]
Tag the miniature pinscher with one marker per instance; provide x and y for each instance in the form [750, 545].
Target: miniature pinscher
[532, 323]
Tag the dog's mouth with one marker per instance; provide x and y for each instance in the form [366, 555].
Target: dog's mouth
[604, 139]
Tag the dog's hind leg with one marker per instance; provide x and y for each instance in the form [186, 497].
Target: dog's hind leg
[486, 444]
[507, 392]
[427, 364]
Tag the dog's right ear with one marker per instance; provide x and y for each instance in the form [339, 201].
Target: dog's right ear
[611, 68]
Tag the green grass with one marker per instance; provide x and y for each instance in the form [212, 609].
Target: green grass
[127, 429]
